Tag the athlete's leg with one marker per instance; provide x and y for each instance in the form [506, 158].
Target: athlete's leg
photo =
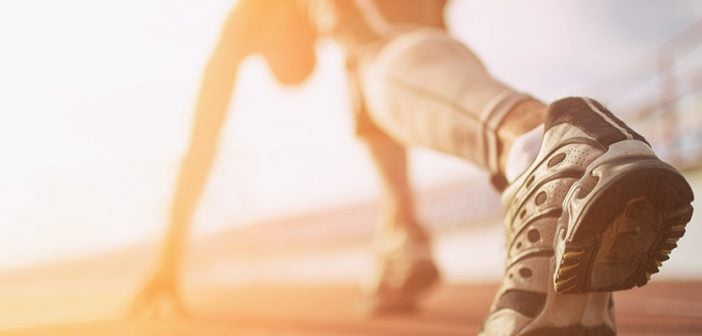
[396, 206]
[403, 268]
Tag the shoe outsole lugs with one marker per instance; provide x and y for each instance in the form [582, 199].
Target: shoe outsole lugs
[620, 221]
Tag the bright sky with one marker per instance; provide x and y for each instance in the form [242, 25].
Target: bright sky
[96, 99]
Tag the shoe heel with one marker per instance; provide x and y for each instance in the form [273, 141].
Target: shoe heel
[620, 221]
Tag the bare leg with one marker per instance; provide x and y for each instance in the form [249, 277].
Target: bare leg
[404, 268]
[396, 208]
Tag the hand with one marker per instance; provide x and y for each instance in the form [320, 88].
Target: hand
[160, 296]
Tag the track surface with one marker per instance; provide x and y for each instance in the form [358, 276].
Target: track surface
[90, 296]
[666, 308]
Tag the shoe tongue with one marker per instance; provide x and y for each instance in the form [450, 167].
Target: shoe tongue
[559, 109]
[592, 118]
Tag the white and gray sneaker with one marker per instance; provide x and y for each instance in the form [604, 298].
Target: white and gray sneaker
[596, 211]
[624, 215]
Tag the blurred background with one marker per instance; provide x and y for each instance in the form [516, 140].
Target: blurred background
[96, 101]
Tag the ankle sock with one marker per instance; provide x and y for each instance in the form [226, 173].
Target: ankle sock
[523, 152]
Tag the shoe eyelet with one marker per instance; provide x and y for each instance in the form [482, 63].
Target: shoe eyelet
[533, 235]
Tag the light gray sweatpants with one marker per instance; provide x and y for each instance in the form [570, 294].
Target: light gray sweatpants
[424, 87]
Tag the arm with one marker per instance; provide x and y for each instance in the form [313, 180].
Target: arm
[278, 30]
[210, 113]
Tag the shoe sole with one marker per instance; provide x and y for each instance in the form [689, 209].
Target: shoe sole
[423, 278]
[620, 221]
[577, 329]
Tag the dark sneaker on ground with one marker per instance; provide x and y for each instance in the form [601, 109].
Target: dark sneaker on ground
[403, 272]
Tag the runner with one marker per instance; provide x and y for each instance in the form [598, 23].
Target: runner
[591, 209]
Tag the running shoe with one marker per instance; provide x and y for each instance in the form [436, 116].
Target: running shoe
[596, 211]
[627, 210]
[527, 303]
